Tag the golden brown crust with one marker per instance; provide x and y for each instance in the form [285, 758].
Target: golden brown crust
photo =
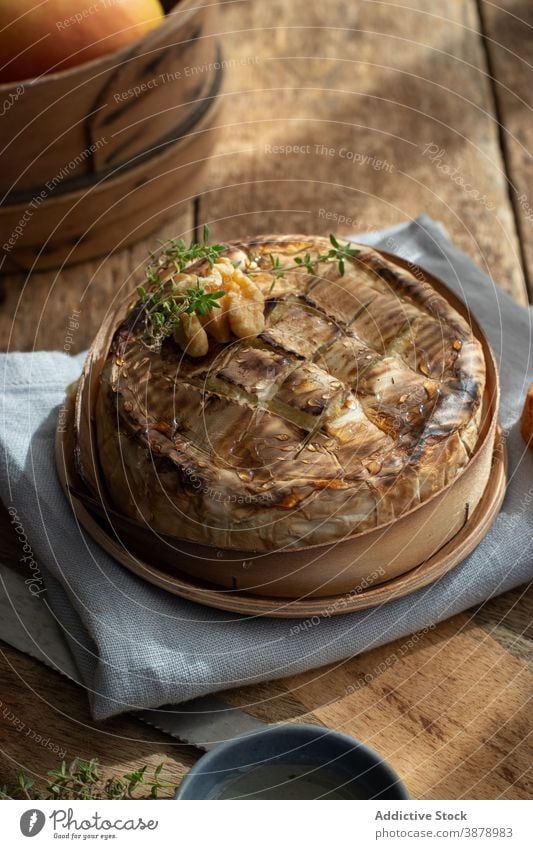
[359, 400]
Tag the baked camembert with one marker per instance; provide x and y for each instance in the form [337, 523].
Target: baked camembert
[285, 391]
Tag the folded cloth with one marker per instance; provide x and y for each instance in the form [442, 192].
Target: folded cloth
[137, 646]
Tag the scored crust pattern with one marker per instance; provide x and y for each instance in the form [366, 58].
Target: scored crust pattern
[361, 398]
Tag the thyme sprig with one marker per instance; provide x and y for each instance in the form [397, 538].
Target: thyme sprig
[83, 780]
[176, 252]
[338, 253]
[163, 307]
[307, 262]
[164, 302]
[276, 269]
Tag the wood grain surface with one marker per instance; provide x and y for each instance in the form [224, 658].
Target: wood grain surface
[384, 83]
[508, 29]
[377, 82]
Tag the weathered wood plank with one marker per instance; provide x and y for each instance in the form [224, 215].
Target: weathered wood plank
[370, 111]
[448, 708]
[507, 28]
[509, 620]
[58, 710]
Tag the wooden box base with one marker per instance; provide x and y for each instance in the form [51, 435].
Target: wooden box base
[360, 571]
[115, 537]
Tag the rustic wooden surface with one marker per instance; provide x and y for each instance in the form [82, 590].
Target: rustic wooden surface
[507, 28]
[383, 80]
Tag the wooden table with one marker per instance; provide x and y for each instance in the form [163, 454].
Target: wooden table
[397, 108]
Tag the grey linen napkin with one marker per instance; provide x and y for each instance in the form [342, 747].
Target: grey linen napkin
[137, 646]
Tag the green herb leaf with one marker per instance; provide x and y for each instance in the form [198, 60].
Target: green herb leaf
[163, 307]
[177, 253]
[338, 253]
[83, 780]
[163, 303]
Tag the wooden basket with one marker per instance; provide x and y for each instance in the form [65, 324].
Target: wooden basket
[85, 147]
[366, 568]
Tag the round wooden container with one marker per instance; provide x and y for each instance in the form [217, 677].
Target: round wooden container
[84, 149]
[364, 569]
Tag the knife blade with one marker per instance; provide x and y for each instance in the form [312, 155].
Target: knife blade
[28, 624]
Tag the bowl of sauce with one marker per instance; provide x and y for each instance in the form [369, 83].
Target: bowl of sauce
[292, 762]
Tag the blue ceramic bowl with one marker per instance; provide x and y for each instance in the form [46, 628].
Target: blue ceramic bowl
[292, 762]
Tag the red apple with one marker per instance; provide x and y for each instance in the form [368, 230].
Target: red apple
[42, 36]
